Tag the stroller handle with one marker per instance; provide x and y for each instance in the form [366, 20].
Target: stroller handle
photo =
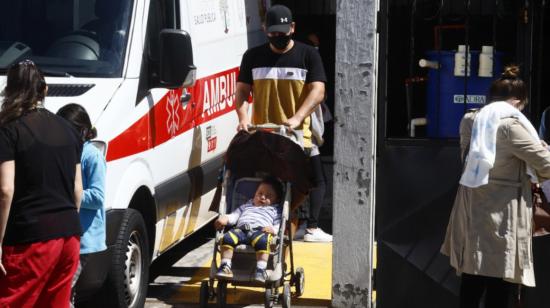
[269, 126]
[282, 130]
[275, 128]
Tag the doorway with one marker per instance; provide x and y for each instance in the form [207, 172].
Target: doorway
[419, 108]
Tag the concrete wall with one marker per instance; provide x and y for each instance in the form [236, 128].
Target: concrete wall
[354, 148]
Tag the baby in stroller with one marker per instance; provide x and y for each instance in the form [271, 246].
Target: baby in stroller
[254, 223]
[254, 235]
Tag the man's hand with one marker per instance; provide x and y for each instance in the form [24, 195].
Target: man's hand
[293, 122]
[243, 125]
[268, 229]
[221, 222]
[2, 269]
[241, 104]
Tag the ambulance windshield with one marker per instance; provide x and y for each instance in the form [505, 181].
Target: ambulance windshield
[81, 38]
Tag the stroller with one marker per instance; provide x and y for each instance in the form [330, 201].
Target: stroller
[267, 150]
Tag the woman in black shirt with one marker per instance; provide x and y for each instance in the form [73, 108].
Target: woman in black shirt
[40, 191]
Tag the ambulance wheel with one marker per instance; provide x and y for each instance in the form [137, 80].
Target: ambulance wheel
[204, 294]
[286, 295]
[268, 298]
[222, 293]
[129, 274]
[300, 281]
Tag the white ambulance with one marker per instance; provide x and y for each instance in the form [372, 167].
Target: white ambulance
[158, 79]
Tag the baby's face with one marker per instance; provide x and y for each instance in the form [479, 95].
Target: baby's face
[265, 195]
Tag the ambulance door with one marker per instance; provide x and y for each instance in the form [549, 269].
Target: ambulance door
[171, 121]
[222, 30]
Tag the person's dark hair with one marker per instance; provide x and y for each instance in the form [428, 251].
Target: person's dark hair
[77, 116]
[276, 184]
[25, 90]
[508, 86]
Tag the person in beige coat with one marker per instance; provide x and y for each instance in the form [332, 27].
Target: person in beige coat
[488, 238]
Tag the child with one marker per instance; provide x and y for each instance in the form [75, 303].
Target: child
[254, 223]
[92, 212]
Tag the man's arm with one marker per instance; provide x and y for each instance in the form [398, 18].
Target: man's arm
[241, 100]
[315, 95]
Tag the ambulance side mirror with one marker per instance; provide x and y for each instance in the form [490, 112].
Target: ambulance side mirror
[176, 59]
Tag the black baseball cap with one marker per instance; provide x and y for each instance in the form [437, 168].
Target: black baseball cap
[278, 19]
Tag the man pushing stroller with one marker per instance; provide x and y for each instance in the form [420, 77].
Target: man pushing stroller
[287, 81]
[254, 223]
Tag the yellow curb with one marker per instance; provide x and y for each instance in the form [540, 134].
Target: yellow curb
[315, 258]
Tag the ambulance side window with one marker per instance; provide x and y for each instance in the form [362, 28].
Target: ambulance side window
[161, 16]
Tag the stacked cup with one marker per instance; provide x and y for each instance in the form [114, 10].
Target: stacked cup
[486, 62]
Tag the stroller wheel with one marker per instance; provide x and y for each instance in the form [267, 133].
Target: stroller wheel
[299, 281]
[268, 300]
[286, 295]
[222, 293]
[204, 294]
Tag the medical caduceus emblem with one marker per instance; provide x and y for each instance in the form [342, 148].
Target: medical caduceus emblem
[172, 108]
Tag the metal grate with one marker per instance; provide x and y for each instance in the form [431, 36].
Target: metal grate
[68, 90]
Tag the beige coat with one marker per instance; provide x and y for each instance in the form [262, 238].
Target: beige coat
[489, 231]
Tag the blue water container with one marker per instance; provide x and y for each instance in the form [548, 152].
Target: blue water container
[445, 92]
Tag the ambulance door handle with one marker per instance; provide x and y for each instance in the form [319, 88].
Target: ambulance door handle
[185, 98]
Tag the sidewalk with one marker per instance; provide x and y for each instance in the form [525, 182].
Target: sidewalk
[315, 258]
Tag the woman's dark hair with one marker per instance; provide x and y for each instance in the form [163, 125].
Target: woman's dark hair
[508, 86]
[79, 119]
[276, 184]
[24, 91]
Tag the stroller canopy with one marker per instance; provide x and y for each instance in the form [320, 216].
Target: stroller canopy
[271, 153]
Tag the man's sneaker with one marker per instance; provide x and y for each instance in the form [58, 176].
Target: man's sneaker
[224, 272]
[260, 275]
[317, 235]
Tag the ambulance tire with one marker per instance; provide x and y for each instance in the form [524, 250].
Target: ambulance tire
[128, 288]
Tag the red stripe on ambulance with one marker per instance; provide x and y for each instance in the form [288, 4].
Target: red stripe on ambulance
[211, 97]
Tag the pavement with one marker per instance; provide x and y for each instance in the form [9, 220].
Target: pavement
[176, 277]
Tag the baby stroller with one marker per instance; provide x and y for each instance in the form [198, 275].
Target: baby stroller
[264, 150]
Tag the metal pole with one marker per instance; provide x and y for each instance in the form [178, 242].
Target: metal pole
[412, 62]
[540, 64]
[354, 152]
[440, 39]
[466, 60]
[495, 19]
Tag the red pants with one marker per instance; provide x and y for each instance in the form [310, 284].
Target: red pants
[39, 274]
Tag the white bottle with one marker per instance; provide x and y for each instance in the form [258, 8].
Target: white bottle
[460, 61]
[486, 62]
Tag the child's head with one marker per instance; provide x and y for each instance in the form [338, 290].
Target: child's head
[79, 119]
[268, 192]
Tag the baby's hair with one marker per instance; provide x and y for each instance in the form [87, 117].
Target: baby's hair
[276, 184]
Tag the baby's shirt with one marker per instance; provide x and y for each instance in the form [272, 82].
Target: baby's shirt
[256, 216]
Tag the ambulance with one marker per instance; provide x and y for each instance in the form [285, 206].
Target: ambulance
[158, 79]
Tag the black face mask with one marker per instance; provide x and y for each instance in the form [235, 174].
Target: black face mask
[280, 42]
